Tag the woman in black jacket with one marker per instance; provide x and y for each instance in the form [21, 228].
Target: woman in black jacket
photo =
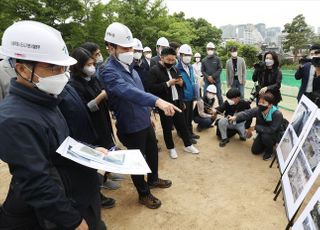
[93, 96]
[269, 76]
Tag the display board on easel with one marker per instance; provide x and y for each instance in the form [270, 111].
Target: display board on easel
[295, 131]
[310, 217]
[303, 169]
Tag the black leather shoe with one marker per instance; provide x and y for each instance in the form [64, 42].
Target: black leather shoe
[107, 202]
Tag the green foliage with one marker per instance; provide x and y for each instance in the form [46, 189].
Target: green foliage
[248, 52]
[298, 35]
[86, 20]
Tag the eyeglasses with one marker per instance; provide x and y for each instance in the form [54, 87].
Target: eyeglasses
[54, 68]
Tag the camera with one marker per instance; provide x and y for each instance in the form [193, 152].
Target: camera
[254, 93]
[260, 66]
[315, 61]
[304, 60]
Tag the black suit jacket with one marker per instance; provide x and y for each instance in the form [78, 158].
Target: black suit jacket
[303, 74]
[158, 76]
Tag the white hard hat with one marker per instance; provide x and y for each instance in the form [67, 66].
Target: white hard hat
[163, 42]
[137, 44]
[147, 49]
[119, 34]
[197, 55]
[185, 49]
[211, 45]
[212, 89]
[35, 41]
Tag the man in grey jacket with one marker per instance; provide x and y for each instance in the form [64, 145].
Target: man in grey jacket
[211, 70]
[6, 73]
[236, 71]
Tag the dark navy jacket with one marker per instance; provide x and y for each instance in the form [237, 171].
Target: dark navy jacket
[31, 129]
[303, 74]
[127, 97]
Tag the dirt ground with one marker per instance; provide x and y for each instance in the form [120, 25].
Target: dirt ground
[221, 188]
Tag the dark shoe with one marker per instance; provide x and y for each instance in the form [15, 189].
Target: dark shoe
[160, 183]
[107, 202]
[193, 141]
[111, 185]
[195, 136]
[267, 157]
[223, 142]
[243, 139]
[115, 177]
[199, 129]
[150, 201]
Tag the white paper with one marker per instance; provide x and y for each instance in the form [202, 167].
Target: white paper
[120, 161]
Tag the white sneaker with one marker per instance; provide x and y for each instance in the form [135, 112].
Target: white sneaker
[173, 153]
[191, 149]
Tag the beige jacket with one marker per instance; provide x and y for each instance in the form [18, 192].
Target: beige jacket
[241, 67]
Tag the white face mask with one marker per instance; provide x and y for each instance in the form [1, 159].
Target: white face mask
[53, 84]
[210, 96]
[89, 70]
[137, 55]
[230, 102]
[186, 59]
[148, 56]
[269, 62]
[210, 52]
[126, 58]
[99, 59]
[234, 54]
[197, 59]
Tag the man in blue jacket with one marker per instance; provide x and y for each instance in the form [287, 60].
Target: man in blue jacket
[305, 73]
[43, 193]
[190, 86]
[130, 104]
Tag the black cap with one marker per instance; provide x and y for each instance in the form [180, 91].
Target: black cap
[233, 93]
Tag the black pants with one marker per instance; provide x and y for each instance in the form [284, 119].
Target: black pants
[145, 141]
[179, 123]
[188, 115]
[263, 143]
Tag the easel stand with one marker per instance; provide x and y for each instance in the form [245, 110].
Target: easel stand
[290, 223]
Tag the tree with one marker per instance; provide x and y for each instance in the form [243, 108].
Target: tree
[298, 35]
[249, 53]
[205, 33]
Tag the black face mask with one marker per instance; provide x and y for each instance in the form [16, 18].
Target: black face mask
[168, 65]
[262, 107]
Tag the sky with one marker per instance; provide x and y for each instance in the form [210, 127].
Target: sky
[272, 12]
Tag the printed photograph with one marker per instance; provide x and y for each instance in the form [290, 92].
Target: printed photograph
[287, 144]
[300, 118]
[299, 174]
[306, 224]
[311, 146]
[315, 215]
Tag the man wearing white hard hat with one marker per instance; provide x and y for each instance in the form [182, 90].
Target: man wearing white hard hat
[147, 55]
[32, 128]
[190, 86]
[131, 104]
[138, 65]
[161, 43]
[211, 69]
[204, 112]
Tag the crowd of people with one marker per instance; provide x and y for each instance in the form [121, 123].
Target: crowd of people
[43, 101]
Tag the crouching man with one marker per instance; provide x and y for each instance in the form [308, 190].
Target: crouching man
[268, 123]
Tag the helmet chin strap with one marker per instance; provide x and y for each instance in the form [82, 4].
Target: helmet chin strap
[32, 73]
